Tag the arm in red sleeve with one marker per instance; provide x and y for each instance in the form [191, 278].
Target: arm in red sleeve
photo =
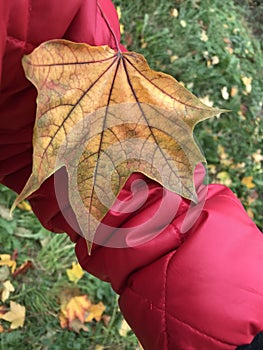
[195, 289]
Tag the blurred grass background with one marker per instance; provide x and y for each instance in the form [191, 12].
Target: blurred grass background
[215, 50]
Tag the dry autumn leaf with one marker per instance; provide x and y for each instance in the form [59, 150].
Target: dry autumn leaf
[6, 260]
[75, 273]
[248, 182]
[77, 307]
[77, 310]
[95, 312]
[22, 269]
[104, 115]
[16, 315]
[7, 288]
[124, 329]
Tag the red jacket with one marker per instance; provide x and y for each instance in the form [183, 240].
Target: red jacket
[196, 281]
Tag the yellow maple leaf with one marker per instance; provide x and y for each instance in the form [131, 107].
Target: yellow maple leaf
[104, 115]
[16, 315]
[7, 289]
[63, 319]
[95, 311]
[5, 260]
[75, 273]
[77, 307]
[248, 182]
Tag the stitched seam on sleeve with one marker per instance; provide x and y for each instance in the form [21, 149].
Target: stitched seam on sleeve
[165, 300]
[23, 43]
[183, 322]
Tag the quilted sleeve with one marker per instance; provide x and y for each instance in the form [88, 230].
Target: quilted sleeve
[196, 282]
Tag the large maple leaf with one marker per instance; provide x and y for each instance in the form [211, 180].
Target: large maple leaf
[104, 115]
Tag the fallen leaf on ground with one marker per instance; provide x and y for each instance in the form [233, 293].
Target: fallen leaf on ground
[77, 310]
[234, 91]
[248, 182]
[104, 115]
[5, 213]
[7, 288]
[257, 156]
[124, 328]
[99, 347]
[247, 81]
[77, 307]
[174, 13]
[6, 260]
[225, 93]
[22, 269]
[95, 312]
[16, 315]
[75, 273]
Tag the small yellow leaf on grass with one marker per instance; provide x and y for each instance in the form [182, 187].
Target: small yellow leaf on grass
[174, 13]
[77, 307]
[118, 12]
[1, 329]
[248, 182]
[95, 312]
[124, 329]
[215, 60]
[183, 23]
[206, 100]
[75, 273]
[122, 28]
[5, 213]
[7, 289]
[99, 347]
[173, 58]
[5, 260]
[234, 91]
[16, 315]
[77, 310]
[257, 156]
[224, 178]
[247, 81]
[225, 93]
[203, 36]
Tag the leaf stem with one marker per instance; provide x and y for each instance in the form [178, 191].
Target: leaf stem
[110, 28]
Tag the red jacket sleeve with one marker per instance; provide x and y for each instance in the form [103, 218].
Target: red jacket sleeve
[199, 288]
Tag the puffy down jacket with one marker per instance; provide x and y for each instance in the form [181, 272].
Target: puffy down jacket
[189, 277]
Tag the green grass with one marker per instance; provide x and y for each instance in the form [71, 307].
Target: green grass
[40, 288]
[230, 143]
